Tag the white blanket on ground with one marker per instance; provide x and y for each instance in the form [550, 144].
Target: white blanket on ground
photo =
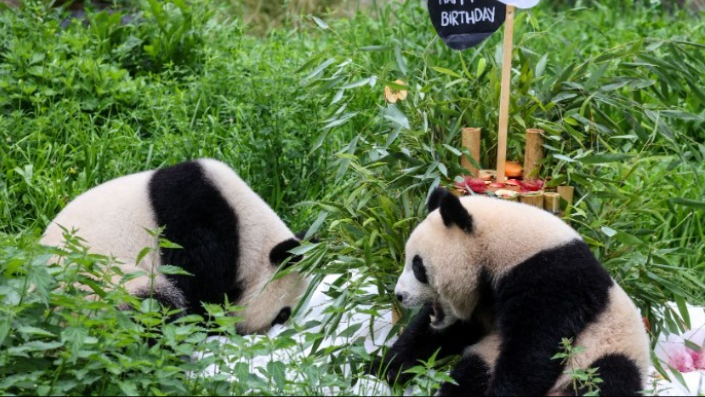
[375, 337]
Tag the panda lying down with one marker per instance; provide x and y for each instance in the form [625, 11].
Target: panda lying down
[233, 243]
[502, 284]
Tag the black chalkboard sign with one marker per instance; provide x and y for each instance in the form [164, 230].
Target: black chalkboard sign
[466, 23]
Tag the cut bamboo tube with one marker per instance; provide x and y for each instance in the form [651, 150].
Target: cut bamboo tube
[535, 199]
[567, 193]
[504, 99]
[552, 203]
[534, 154]
[471, 141]
[396, 316]
[488, 175]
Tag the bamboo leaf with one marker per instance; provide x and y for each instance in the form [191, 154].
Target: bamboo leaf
[700, 205]
[447, 72]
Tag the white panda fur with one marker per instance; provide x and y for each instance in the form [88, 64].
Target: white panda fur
[202, 195]
[475, 253]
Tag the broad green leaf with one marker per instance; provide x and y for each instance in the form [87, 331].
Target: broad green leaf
[277, 372]
[320, 23]
[700, 205]
[541, 67]
[320, 69]
[628, 239]
[4, 330]
[609, 231]
[396, 116]
[693, 346]
[355, 84]
[605, 158]
[129, 388]
[447, 72]
[143, 254]
[316, 225]
[173, 271]
[453, 150]
[350, 331]
[164, 243]
[683, 309]
[481, 67]
[34, 331]
[340, 121]
[303, 249]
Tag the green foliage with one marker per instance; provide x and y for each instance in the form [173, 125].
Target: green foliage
[300, 113]
[584, 381]
[620, 99]
[263, 15]
[79, 107]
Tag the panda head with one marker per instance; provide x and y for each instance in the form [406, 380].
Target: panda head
[273, 299]
[466, 243]
[432, 251]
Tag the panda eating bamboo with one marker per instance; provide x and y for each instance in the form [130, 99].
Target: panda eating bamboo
[232, 242]
[502, 284]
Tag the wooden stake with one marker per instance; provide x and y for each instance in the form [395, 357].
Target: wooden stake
[534, 154]
[471, 141]
[504, 99]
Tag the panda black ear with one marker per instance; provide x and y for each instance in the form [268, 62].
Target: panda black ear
[280, 253]
[434, 202]
[454, 213]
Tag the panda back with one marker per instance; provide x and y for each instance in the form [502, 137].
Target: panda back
[199, 219]
[111, 218]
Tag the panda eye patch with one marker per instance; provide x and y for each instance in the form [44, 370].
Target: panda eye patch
[420, 270]
[283, 317]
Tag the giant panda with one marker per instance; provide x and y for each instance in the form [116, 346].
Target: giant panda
[232, 243]
[501, 284]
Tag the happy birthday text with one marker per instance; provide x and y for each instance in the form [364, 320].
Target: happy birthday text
[458, 18]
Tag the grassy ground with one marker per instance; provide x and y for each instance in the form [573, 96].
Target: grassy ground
[300, 113]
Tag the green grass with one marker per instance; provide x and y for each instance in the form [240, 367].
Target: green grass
[300, 113]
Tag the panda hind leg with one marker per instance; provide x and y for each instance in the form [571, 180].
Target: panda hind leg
[474, 371]
[472, 375]
[620, 377]
[161, 290]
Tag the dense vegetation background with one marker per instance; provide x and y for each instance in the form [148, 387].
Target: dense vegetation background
[296, 105]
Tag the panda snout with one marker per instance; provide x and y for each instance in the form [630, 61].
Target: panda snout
[400, 297]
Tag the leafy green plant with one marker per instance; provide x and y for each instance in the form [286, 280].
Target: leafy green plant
[584, 381]
[300, 112]
[614, 131]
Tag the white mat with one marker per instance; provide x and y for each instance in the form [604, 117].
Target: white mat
[668, 346]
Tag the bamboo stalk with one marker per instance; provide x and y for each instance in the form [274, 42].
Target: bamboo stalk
[396, 316]
[504, 99]
[472, 140]
[552, 203]
[567, 193]
[535, 199]
[534, 154]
